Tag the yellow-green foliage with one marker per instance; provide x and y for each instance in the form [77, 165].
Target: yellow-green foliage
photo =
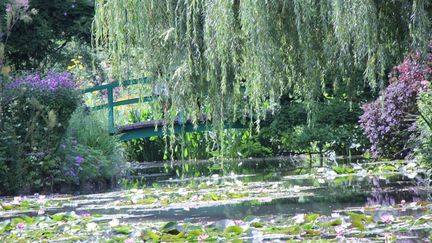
[211, 50]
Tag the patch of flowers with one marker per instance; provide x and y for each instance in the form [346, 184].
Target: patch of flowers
[51, 81]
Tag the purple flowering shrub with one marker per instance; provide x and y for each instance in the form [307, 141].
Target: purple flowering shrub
[51, 82]
[36, 111]
[389, 121]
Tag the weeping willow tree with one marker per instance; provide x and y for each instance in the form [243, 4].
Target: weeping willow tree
[228, 58]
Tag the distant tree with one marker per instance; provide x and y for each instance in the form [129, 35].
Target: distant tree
[38, 41]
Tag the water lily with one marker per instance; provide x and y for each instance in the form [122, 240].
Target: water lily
[41, 212]
[330, 175]
[203, 237]
[182, 191]
[113, 223]
[135, 199]
[388, 237]
[16, 201]
[20, 226]
[238, 222]
[92, 226]
[6, 205]
[387, 218]
[129, 240]
[340, 230]
[41, 199]
[84, 214]
[299, 218]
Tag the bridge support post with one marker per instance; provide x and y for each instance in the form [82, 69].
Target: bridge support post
[110, 110]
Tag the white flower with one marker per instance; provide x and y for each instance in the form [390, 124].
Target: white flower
[135, 198]
[411, 174]
[115, 222]
[182, 192]
[299, 218]
[320, 170]
[91, 226]
[330, 175]
[16, 201]
[321, 181]
[41, 199]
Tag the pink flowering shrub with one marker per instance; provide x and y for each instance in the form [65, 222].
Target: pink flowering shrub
[389, 121]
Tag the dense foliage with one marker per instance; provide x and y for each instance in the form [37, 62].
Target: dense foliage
[424, 123]
[240, 56]
[90, 155]
[389, 122]
[335, 129]
[36, 110]
[46, 30]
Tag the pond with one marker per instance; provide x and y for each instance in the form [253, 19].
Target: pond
[236, 201]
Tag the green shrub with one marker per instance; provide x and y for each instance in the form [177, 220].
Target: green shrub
[89, 152]
[35, 113]
[335, 127]
[424, 124]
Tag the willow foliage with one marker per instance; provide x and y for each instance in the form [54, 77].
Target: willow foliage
[227, 58]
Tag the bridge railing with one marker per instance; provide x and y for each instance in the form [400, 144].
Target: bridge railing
[111, 103]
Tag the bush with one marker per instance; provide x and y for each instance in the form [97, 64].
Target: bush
[424, 123]
[334, 128]
[389, 121]
[89, 153]
[36, 110]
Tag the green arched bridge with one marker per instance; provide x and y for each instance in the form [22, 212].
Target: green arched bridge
[147, 128]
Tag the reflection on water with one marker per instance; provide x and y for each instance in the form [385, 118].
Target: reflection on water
[323, 198]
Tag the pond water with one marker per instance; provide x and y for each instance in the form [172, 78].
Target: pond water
[249, 200]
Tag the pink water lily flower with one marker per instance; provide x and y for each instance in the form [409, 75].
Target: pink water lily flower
[203, 237]
[129, 240]
[20, 226]
[340, 230]
[41, 199]
[238, 222]
[387, 218]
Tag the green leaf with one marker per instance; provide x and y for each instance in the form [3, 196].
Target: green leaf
[150, 235]
[168, 225]
[125, 229]
[358, 224]
[257, 224]
[27, 219]
[311, 217]
[234, 229]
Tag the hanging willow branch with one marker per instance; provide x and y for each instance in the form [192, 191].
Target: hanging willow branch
[226, 58]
